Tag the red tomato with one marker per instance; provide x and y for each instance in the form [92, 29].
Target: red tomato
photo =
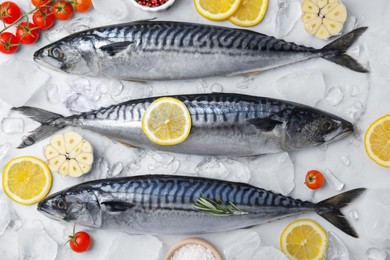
[314, 179]
[39, 3]
[27, 33]
[43, 18]
[80, 242]
[82, 6]
[62, 10]
[8, 43]
[9, 12]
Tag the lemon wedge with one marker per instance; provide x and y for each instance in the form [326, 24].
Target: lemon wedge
[216, 10]
[26, 180]
[250, 13]
[304, 239]
[377, 141]
[166, 121]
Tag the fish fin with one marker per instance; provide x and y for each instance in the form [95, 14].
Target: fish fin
[117, 206]
[116, 47]
[42, 116]
[335, 51]
[329, 209]
[266, 124]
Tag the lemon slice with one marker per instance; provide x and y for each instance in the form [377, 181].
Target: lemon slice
[377, 141]
[166, 121]
[216, 9]
[26, 180]
[250, 13]
[304, 239]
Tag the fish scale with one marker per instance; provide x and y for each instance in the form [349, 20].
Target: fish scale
[162, 204]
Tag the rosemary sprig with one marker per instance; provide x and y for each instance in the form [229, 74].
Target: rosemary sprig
[218, 207]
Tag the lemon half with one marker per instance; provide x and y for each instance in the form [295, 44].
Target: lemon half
[217, 10]
[250, 13]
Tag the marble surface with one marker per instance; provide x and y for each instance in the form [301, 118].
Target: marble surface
[361, 98]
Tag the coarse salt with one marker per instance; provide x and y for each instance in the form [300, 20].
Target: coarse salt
[193, 252]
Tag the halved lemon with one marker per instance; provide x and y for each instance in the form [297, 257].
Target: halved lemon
[167, 121]
[26, 180]
[377, 141]
[216, 9]
[250, 13]
[304, 239]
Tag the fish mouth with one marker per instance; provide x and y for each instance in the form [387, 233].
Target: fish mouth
[46, 61]
[344, 130]
[43, 209]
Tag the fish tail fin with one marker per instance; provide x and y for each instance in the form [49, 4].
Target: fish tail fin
[335, 51]
[329, 209]
[47, 128]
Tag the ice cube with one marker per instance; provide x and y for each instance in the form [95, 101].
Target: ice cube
[247, 82]
[79, 103]
[238, 170]
[376, 254]
[136, 247]
[78, 24]
[212, 167]
[269, 253]
[52, 93]
[334, 96]
[345, 160]
[5, 217]
[13, 88]
[36, 244]
[12, 125]
[4, 148]
[116, 88]
[161, 163]
[9, 247]
[83, 87]
[116, 169]
[268, 170]
[355, 111]
[333, 181]
[216, 88]
[291, 85]
[288, 14]
[241, 244]
[113, 9]
[336, 248]
[353, 214]
[56, 33]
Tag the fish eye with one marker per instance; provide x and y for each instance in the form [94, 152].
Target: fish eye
[60, 203]
[57, 53]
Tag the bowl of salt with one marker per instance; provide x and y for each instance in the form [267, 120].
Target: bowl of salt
[193, 249]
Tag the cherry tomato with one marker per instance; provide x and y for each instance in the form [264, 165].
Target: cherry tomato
[9, 12]
[80, 242]
[39, 3]
[82, 6]
[27, 33]
[43, 18]
[314, 179]
[62, 10]
[8, 43]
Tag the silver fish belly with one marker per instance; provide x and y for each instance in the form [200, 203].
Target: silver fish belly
[222, 125]
[158, 204]
[159, 50]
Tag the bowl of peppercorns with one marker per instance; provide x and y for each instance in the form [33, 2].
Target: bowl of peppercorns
[153, 5]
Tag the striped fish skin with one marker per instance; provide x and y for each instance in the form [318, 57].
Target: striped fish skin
[158, 204]
[163, 50]
[223, 124]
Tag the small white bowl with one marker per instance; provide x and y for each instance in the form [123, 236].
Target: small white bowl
[196, 241]
[153, 9]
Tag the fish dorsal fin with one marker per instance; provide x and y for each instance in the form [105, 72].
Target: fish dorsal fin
[265, 124]
[117, 206]
[116, 47]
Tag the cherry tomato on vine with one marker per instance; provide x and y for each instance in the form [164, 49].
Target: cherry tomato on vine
[27, 33]
[8, 43]
[80, 241]
[39, 3]
[82, 6]
[314, 179]
[9, 12]
[62, 10]
[43, 18]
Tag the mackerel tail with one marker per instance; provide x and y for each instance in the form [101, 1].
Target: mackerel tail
[162, 204]
[336, 50]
